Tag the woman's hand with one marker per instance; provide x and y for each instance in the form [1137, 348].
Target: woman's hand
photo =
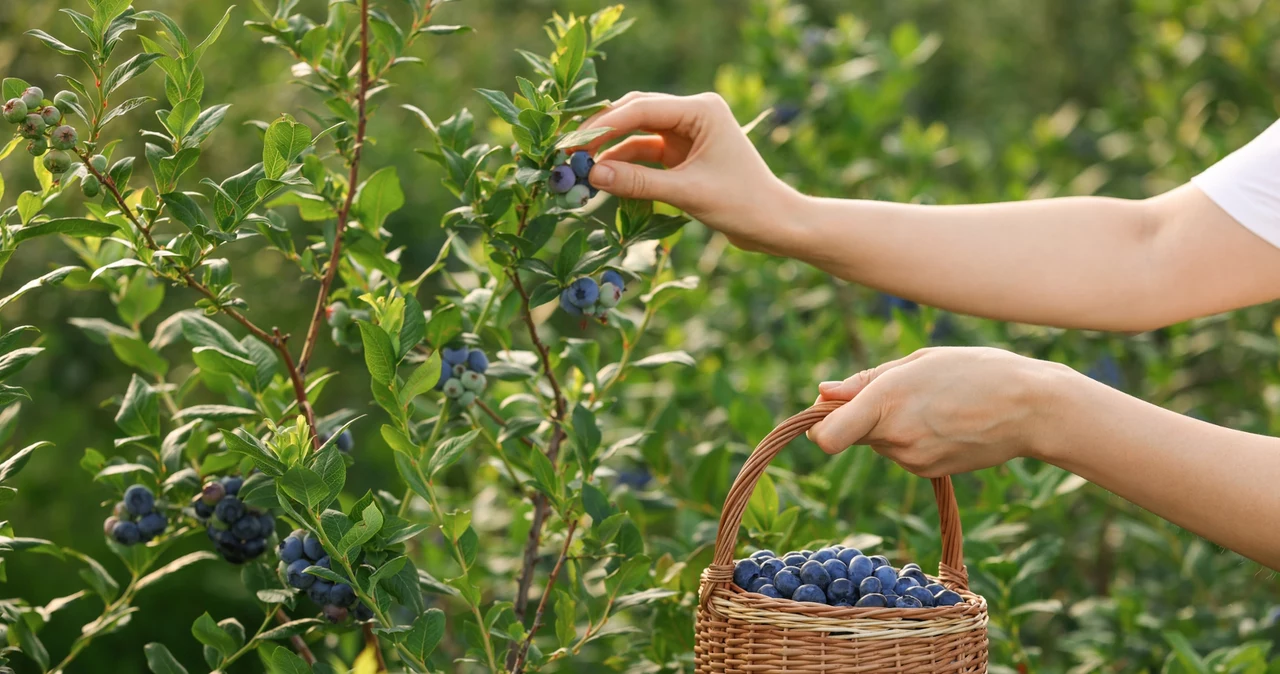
[714, 172]
[940, 411]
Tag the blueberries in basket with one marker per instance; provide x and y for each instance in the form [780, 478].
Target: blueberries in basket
[888, 577]
[907, 602]
[904, 584]
[860, 567]
[770, 568]
[746, 571]
[757, 583]
[872, 601]
[813, 573]
[915, 574]
[811, 593]
[770, 591]
[823, 555]
[879, 560]
[841, 589]
[934, 588]
[794, 559]
[921, 595]
[762, 555]
[806, 553]
[870, 585]
[787, 581]
[947, 598]
[836, 568]
[846, 555]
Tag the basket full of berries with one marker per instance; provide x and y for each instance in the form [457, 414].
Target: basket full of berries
[835, 609]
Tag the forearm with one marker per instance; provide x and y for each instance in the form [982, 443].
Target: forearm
[1217, 482]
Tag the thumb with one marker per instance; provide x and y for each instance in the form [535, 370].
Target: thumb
[632, 181]
[849, 424]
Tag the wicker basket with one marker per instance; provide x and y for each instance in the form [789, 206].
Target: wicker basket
[740, 631]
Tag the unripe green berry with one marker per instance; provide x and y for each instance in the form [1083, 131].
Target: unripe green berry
[99, 163]
[57, 161]
[65, 100]
[15, 110]
[33, 97]
[50, 115]
[577, 197]
[37, 146]
[467, 399]
[64, 137]
[338, 314]
[473, 381]
[609, 295]
[453, 388]
[32, 126]
[90, 186]
[459, 369]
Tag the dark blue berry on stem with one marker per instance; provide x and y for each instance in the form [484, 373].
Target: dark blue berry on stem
[255, 547]
[477, 361]
[342, 595]
[581, 163]
[152, 525]
[203, 510]
[562, 179]
[126, 533]
[246, 528]
[230, 509]
[295, 576]
[312, 548]
[232, 485]
[290, 549]
[345, 441]
[139, 500]
[212, 493]
[319, 591]
[363, 613]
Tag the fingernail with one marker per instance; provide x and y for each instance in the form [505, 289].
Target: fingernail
[829, 385]
[601, 176]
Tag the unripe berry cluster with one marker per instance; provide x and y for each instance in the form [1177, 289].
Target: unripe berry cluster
[302, 549]
[136, 518]
[342, 320]
[585, 297]
[569, 180]
[462, 374]
[239, 532]
[840, 576]
[43, 126]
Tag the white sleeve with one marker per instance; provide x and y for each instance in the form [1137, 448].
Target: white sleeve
[1246, 184]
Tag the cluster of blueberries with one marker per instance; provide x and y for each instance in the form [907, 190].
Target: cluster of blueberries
[41, 123]
[136, 518]
[585, 297]
[840, 576]
[569, 180]
[302, 549]
[342, 321]
[462, 374]
[239, 532]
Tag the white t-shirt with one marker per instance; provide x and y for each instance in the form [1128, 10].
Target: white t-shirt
[1246, 184]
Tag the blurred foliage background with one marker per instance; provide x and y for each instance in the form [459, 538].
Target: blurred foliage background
[916, 100]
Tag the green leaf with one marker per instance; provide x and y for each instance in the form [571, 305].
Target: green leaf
[581, 137]
[668, 358]
[570, 55]
[379, 355]
[421, 640]
[441, 29]
[424, 378]
[414, 327]
[762, 508]
[215, 412]
[217, 361]
[284, 140]
[129, 70]
[53, 278]
[292, 628]
[445, 325]
[241, 442]
[56, 44]
[161, 661]
[139, 414]
[200, 331]
[501, 105]
[630, 574]
[29, 643]
[135, 352]
[305, 486]
[565, 613]
[666, 291]
[75, 227]
[311, 208]
[368, 527]
[570, 252]
[207, 632]
[185, 210]
[15, 463]
[13, 362]
[378, 197]
[12, 87]
[285, 661]
[586, 432]
[175, 566]
[447, 452]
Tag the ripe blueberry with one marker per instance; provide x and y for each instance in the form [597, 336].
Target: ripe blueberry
[915, 574]
[246, 527]
[836, 568]
[324, 562]
[253, 548]
[787, 581]
[811, 593]
[319, 591]
[562, 179]
[477, 361]
[50, 115]
[334, 614]
[757, 583]
[230, 509]
[806, 553]
[212, 492]
[581, 163]
[761, 555]
[870, 585]
[152, 525]
[823, 555]
[907, 602]
[66, 100]
[345, 441]
[15, 110]
[770, 567]
[935, 588]
[33, 97]
[456, 356]
[290, 549]
[203, 510]
[32, 126]
[887, 576]
[583, 292]
[57, 162]
[232, 485]
[38, 146]
[453, 388]
[473, 381]
[910, 565]
[860, 567]
[311, 547]
[841, 589]
[577, 197]
[139, 500]
[363, 613]
[879, 560]
[611, 276]
[921, 595]
[744, 572]
[904, 584]
[770, 591]
[948, 598]
[872, 601]
[296, 577]
[566, 304]
[795, 559]
[126, 533]
[90, 185]
[342, 595]
[446, 373]
[812, 573]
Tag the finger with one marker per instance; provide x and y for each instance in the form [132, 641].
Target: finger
[849, 424]
[646, 113]
[847, 389]
[614, 105]
[650, 149]
[633, 181]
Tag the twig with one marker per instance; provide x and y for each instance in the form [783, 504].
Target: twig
[298, 644]
[322, 299]
[518, 665]
[498, 419]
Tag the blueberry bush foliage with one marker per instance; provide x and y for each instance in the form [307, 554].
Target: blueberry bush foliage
[223, 433]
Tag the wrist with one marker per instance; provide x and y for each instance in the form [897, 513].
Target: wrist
[1054, 405]
[790, 222]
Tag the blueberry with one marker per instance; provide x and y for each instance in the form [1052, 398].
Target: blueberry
[860, 567]
[453, 389]
[65, 100]
[324, 562]
[610, 295]
[577, 197]
[473, 381]
[757, 583]
[139, 500]
[89, 185]
[846, 555]
[203, 510]
[255, 547]
[935, 588]
[566, 303]
[230, 509]
[870, 585]
[836, 568]
[584, 292]
[311, 547]
[456, 356]
[152, 525]
[33, 96]
[795, 559]
[50, 115]
[232, 485]
[770, 591]
[446, 373]
[39, 146]
[57, 162]
[841, 589]
[345, 441]
[290, 549]
[907, 602]
[910, 565]
[903, 583]
[887, 576]
[562, 179]
[32, 126]
[120, 511]
[915, 574]
[813, 573]
[872, 601]
[212, 493]
[744, 572]
[811, 593]
[126, 533]
[109, 525]
[267, 524]
[787, 581]
[921, 595]
[467, 399]
[948, 598]
[247, 527]
[890, 596]
[879, 560]
[337, 315]
[581, 163]
[823, 555]
[477, 361]
[363, 613]
[771, 567]
[15, 111]
[319, 591]
[334, 614]
[342, 595]
[295, 576]
[761, 555]
[611, 276]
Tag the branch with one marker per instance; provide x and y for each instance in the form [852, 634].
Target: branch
[298, 644]
[518, 665]
[362, 118]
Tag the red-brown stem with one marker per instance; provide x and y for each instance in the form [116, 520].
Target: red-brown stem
[518, 665]
[298, 644]
[322, 299]
[497, 418]
[299, 386]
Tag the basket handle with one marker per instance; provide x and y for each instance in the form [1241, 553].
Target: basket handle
[951, 570]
